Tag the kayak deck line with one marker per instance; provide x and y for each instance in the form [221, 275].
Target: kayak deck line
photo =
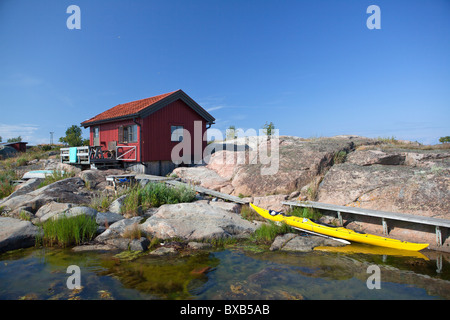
[338, 232]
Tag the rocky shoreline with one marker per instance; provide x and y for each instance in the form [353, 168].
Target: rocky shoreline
[343, 170]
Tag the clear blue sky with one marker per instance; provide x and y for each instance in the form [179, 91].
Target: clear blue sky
[312, 67]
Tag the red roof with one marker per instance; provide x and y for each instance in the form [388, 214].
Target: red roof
[127, 109]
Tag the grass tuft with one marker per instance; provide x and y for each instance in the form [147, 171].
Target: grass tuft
[154, 195]
[266, 233]
[67, 231]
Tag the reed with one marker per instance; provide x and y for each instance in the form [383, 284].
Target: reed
[66, 231]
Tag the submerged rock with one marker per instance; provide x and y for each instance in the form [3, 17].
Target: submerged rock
[302, 243]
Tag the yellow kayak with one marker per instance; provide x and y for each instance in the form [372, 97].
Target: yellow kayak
[375, 250]
[338, 232]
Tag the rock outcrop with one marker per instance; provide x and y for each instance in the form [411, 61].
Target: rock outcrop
[68, 190]
[298, 163]
[422, 189]
[196, 221]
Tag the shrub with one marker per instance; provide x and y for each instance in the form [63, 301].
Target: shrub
[340, 157]
[66, 231]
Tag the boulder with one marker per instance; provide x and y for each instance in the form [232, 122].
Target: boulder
[281, 240]
[52, 209]
[68, 190]
[116, 205]
[117, 229]
[16, 234]
[196, 221]
[301, 243]
[308, 243]
[77, 211]
[140, 244]
[107, 218]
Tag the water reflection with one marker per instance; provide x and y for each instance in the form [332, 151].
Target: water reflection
[240, 272]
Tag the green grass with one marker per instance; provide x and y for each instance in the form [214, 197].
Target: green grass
[266, 233]
[154, 195]
[67, 231]
[303, 212]
[6, 176]
[101, 202]
[55, 176]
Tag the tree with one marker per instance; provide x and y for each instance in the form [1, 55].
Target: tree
[17, 139]
[73, 137]
[441, 139]
[0, 139]
[268, 129]
[231, 133]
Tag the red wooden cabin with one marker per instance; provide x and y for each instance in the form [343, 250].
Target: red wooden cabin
[139, 133]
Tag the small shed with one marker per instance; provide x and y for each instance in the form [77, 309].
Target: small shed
[19, 145]
[142, 133]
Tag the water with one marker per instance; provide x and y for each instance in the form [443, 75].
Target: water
[237, 273]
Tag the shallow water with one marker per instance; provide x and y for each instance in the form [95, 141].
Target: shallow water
[239, 272]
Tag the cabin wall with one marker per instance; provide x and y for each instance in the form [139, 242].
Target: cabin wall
[156, 134]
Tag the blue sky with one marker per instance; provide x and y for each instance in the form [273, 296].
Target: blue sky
[312, 67]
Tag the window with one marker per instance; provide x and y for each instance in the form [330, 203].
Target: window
[176, 133]
[96, 132]
[128, 133]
